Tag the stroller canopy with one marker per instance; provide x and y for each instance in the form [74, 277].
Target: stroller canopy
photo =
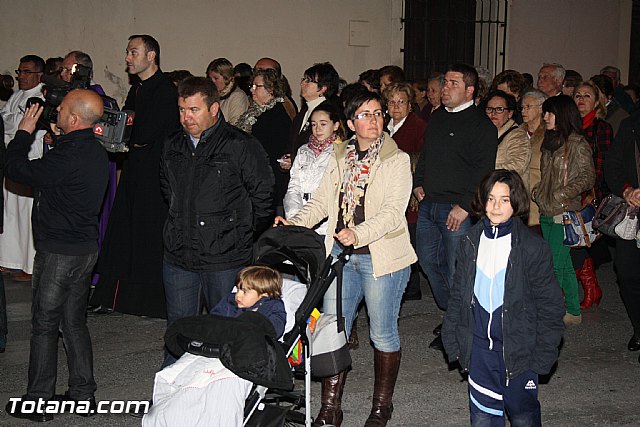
[303, 247]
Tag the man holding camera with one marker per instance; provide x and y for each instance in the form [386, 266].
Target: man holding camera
[16, 243]
[69, 184]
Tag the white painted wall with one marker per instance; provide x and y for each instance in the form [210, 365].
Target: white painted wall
[583, 35]
[191, 33]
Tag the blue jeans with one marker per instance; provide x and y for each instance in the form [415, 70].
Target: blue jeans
[437, 247]
[183, 288]
[381, 294]
[60, 292]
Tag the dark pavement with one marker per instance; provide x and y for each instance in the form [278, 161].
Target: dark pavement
[595, 384]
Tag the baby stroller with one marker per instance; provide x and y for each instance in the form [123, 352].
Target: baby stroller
[243, 347]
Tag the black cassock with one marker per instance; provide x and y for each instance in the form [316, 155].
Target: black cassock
[130, 263]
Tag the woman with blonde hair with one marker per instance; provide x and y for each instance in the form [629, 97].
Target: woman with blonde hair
[233, 100]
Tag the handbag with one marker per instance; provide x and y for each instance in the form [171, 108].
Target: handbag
[578, 225]
[627, 228]
[610, 213]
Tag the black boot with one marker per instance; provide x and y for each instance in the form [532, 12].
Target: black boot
[386, 366]
[331, 410]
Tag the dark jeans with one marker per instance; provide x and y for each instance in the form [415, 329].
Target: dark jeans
[627, 263]
[60, 292]
[3, 309]
[437, 247]
[183, 288]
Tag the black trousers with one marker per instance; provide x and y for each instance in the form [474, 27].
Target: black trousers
[627, 264]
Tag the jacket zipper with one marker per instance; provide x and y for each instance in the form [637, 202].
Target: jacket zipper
[504, 353]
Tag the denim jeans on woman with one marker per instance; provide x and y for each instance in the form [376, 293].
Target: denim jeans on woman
[381, 294]
[60, 292]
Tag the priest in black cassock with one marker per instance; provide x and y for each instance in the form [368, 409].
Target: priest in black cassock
[130, 264]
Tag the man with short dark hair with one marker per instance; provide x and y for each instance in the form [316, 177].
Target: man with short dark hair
[69, 184]
[459, 149]
[218, 183]
[16, 243]
[130, 263]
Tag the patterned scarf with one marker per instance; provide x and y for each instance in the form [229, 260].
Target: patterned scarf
[250, 117]
[356, 177]
[317, 146]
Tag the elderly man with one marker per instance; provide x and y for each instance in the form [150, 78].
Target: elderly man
[69, 184]
[550, 78]
[619, 94]
[16, 243]
[130, 263]
[459, 149]
[218, 183]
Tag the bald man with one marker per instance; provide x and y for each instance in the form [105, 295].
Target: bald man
[69, 184]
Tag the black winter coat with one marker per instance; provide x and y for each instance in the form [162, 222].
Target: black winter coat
[69, 182]
[219, 195]
[533, 305]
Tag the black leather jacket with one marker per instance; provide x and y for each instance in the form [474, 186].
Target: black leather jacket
[533, 305]
[219, 194]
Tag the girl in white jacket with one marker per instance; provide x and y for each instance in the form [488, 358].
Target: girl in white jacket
[312, 158]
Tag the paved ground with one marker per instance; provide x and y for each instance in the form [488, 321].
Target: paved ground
[595, 384]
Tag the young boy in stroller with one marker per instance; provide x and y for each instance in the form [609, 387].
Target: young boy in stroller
[202, 391]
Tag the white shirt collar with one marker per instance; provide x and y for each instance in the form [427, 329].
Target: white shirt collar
[460, 107]
[311, 105]
[394, 128]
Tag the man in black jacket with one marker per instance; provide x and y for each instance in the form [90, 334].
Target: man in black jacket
[459, 149]
[69, 184]
[219, 186]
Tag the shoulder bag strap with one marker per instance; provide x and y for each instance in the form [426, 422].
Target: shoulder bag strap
[506, 133]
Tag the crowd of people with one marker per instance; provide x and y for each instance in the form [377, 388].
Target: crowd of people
[460, 177]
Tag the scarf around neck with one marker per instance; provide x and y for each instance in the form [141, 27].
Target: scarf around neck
[356, 177]
[317, 146]
[250, 117]
[588, 119]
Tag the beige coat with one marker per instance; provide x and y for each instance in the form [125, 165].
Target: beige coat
[534, 168]
[387, 196]
[551, 194]
[514, 152]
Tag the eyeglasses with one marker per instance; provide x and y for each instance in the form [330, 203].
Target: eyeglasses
[255, 86]
[496, 110]
[18, 72]
[529, 106]
[366, 115]
[307, 80]
[579, 96]
[399, 103]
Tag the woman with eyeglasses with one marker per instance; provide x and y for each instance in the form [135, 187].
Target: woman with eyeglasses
[364, 194]
[599, 135]
[267, 120]
[514, 150]
[533, 125]
[567, 172]
[407, 130]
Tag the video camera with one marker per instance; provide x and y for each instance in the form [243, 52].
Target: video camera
[113, 130]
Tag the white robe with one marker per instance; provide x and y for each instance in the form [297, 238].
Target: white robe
[16, 242]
